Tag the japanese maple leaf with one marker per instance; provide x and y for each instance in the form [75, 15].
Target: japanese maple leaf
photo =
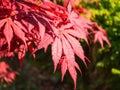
[64, 38]
[100, 36]
[71, 66]
[11, 28]
[6, 73]
[66, 43]
[32, 25]
[20, 27]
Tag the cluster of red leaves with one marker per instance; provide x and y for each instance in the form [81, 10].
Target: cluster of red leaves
[33, 24]
[6, 73]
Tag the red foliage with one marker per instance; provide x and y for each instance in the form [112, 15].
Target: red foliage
[32, 25]
[6, 74]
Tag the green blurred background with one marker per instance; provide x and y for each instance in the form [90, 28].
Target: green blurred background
[103, 73]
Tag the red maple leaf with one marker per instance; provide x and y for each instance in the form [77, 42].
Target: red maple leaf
[31, 25]
[100, 36]
[6, 73]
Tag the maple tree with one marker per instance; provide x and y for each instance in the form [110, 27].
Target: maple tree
[35, 24]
